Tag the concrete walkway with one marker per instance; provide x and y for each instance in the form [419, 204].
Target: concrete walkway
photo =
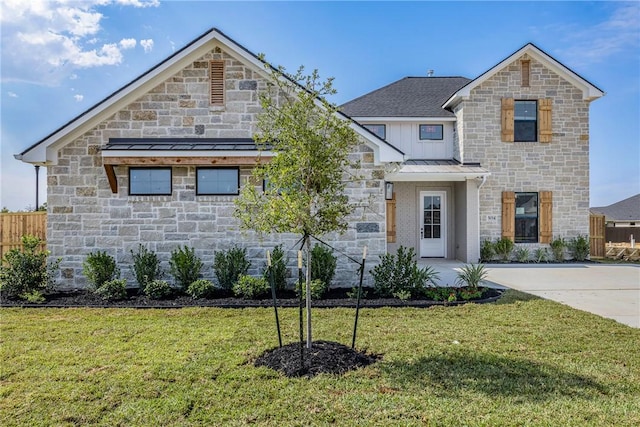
[608, 290]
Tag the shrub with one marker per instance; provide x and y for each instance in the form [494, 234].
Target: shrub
[503, 248]
[99, 267]
[146, 266]
[112, 290]
[467, 294]
[472, 275]
[201, 288]
[323, 264]
[278, 267]
[33, 297]
[318, 289]
[579, 247]
[522, 254]
[557, 249]
[487, 251]
[400, 272]
[25, 273]
[541, 255]
[353, 293]
[229, 266]
[184, 266]
[250, 287]
[439, 293]
[158, 289]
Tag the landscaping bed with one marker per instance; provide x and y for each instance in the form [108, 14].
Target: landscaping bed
[334, 298]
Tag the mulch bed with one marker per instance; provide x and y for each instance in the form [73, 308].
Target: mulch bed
[334, 298]
[324, 357]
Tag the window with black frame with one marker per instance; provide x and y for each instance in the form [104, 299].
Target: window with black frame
[526, 227]
[217, 181]
[150, 181]
[525, 125]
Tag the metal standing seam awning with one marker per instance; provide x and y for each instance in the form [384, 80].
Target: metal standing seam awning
[179, 151]
[437, 170]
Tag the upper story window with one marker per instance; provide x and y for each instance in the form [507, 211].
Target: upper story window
[217, 181]
[525, 124]
[216, 77]
[149, 181]
[379, 130]
[431, 132]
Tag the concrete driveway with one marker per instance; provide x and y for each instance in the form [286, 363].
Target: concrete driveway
[608, 290]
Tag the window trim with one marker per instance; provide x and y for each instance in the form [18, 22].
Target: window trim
[199, 168]
[536, 121]
[170, 169]
[431, 139]
[384, 129]
[522, 239]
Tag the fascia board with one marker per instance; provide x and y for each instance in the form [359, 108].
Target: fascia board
[185, 153]
[361, 119]
[436, 177]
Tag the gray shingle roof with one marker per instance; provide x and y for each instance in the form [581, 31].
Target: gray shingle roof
[624, 210]
[409, 97]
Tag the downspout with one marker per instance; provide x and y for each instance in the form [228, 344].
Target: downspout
[37, 185]
[484, 179]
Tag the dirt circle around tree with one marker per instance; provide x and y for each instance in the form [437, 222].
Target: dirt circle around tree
[324, 357]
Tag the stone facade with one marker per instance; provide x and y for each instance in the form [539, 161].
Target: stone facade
[561, 166]
[85, 216]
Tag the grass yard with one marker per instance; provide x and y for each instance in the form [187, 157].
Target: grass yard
[532, 362]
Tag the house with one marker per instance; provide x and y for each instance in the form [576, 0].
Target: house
[448, 161]
[625, 213]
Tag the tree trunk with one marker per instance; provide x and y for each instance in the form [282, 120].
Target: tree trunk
[308, 284]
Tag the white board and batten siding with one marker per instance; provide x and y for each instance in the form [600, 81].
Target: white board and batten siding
[406, 137]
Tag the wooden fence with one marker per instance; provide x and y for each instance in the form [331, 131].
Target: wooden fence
[622, 234]
[15, 225]
[596, 236]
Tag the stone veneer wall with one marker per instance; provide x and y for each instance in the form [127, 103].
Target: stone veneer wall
[561, 166]
[85, 216]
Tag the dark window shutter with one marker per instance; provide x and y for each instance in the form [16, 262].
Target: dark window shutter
[216, 75]
[507, 119]
[544, 216]
[509, 215]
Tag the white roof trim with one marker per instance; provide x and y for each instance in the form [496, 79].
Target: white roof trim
[589, 91]
[437, 173]
[375, 120]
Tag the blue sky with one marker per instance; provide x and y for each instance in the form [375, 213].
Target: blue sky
[59, 58]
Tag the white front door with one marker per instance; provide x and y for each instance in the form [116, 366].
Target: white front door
[433, 230]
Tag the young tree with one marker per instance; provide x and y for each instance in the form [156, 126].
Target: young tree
[307, 175]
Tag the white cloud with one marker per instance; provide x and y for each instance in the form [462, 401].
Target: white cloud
[43, 41]
[73, 76]
[147, 44]
[127, 43]
[78, 98]
[12, 94]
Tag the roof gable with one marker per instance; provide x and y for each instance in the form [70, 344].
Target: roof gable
[589, 91]
[408, 97]
[45, 151]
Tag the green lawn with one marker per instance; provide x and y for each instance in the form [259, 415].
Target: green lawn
[531, 362]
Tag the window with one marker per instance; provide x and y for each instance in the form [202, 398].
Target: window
[149, 181]
[217, 181]
[525, 125]
[526, 120]
[526, 227]
[216, 77]
[379, 130]
[526, 217]
[431, 132]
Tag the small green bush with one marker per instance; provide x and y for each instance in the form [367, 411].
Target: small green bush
[472, 275]
[487, 251]
[557, 249]
[467, 294]
[522, 254]
[229, 266]
[99, 267]
[318, 289]
[439, 293]
[112, 290]
[184, 266]
[278, 267]
[201, 288]
[399, 272]
[541, 255]
[353, 293]
[250, 287]
[33, 297]
[25, 273]
[158, 289]
[503, 248]
[579, 247]
[323, 264]
[146, 266]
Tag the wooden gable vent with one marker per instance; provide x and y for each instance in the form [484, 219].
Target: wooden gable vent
[216, 75]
